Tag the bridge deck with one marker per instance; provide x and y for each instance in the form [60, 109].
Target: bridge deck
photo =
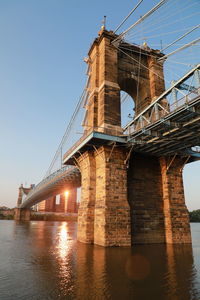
[176, 132]
[88, 142]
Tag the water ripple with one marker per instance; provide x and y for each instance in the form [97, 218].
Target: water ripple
[43, 261]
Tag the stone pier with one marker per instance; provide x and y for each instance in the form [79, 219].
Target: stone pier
[177, 223]
[88, 193]
[71, 201]
[104, 214]
[157, 203]
[22, 214]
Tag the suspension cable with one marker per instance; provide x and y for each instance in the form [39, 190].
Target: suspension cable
[180, 38]
[162, 34]
[179, 49]
[139, 67]
[150, 12]
[163, 26]
[67, 131]
[131, 12]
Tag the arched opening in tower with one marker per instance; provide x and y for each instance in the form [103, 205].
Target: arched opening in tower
[128, 94]
[127, 108]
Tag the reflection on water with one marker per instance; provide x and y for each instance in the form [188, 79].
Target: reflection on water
[42, 260]
[181, 272]
[63, 245]
[63, 252]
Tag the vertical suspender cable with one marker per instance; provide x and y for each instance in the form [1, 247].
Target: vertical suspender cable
[66, 134]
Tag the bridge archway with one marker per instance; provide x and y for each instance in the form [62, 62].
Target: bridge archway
[131, 79]
[127, 108]
[191, 184]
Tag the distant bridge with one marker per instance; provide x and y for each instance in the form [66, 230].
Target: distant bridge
[56, 183]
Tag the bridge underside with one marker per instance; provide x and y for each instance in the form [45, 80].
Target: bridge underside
[55, 184]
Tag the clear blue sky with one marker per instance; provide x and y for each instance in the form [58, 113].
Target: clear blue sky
[42, 74]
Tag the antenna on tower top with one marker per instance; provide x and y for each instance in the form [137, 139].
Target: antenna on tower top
[104, 23]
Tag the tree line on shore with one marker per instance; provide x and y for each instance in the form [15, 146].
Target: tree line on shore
[194, 215]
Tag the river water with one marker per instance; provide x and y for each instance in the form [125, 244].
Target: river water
[42, 260]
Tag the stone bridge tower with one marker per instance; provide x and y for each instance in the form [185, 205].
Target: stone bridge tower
[126, 197]
[22, 214]
[134, 70]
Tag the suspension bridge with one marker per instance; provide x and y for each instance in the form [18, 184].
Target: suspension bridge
[131, 174]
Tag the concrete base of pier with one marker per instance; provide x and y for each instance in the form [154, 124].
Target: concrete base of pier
[22, 214]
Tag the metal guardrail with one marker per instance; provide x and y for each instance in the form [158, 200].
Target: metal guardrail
[161, 106]
[155, 117]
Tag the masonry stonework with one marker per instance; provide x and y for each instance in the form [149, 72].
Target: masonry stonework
[71, 201]
[134, 70]
[177, 226]
[22, 214]
[145, 198]
[112, 213]
[88, 191]
[104, 214]
[156, 197]
[67, 204]
[49, 205]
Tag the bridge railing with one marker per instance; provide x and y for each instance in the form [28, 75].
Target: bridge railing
[184, 100]
[157, 112]
[170, 101]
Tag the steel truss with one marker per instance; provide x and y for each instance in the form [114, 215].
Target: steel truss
[172, 122]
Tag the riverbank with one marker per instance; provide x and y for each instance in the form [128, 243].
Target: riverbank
[6, 214]
[40, 216]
